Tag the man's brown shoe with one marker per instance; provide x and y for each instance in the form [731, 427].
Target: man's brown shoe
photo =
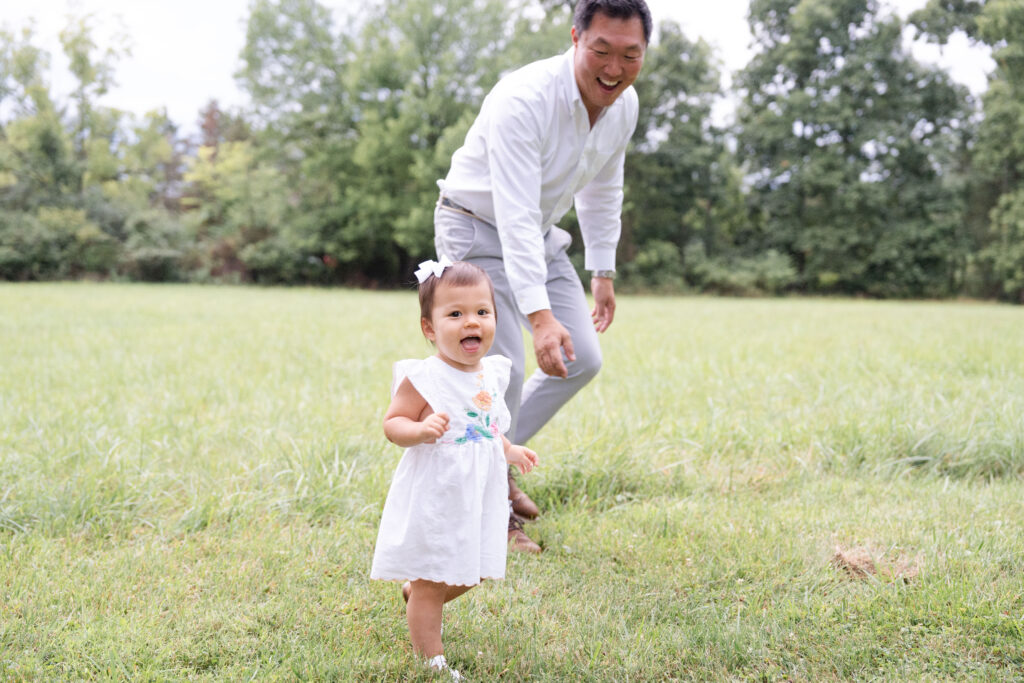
[522, 505]
[517, 538]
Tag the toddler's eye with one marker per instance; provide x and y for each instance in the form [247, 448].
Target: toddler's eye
[455, 314]
[483, 311]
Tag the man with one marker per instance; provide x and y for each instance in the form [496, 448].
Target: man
[549, 135]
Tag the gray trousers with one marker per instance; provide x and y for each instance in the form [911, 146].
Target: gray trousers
[462, 237]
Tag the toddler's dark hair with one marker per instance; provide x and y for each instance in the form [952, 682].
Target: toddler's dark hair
[458, 274]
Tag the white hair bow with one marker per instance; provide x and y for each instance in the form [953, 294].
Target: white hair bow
[428, 268]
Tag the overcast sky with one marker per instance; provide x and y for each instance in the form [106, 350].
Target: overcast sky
[184, 52]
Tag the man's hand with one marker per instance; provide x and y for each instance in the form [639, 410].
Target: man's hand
[549, 338]
[603, 289]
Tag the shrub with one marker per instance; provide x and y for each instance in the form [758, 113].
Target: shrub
[25, 247]
[658, 265]
[53, 243]
[767, 273]
[271, 261]
[155, 247]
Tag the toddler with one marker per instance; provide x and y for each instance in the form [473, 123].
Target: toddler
[445, 519]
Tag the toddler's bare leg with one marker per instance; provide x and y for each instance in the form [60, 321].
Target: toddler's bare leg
[454, 592]
[423, 614]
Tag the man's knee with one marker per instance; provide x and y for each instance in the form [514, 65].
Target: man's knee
[586, 366]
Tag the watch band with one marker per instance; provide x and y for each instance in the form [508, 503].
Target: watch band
[610, 274]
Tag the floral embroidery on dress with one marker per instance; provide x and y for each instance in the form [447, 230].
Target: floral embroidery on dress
[482, 427]
[483, 400]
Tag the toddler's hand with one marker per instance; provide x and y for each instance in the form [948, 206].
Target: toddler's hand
[522, 457]
[433, 427]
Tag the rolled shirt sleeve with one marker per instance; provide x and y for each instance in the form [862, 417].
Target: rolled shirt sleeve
[599, 210]
[599, 202]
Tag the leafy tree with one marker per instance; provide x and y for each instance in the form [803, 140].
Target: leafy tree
[239, 202]
[217, 126]
[294, 69]
[23, 66]
[1000, 149]
[996, 160]
[684, 195]
[36, 160]
[93, 70]
[424, 69]
[153, 161]
[849, 142]
[940, 19]
[364, 121]
[77, 177]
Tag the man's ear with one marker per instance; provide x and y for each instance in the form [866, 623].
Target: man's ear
[428, 329]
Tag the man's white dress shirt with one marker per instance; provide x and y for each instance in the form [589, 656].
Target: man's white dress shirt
[528, 155]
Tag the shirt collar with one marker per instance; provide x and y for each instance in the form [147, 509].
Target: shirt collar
[571, 89]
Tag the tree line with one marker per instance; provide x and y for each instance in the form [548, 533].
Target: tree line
[849, 167]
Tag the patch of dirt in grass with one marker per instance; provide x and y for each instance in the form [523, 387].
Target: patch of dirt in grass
[856, 562]
[860, 562]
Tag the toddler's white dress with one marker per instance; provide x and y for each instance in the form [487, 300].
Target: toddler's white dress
[446, 515]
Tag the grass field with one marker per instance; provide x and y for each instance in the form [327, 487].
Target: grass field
[805, 490]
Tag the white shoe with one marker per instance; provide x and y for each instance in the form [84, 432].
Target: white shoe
[439, 663]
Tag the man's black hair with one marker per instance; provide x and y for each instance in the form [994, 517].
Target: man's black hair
[616, 9]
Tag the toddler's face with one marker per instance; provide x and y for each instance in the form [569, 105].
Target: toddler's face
[461, 324]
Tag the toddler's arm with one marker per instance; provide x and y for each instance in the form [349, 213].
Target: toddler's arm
[520, 456]
[402, 423]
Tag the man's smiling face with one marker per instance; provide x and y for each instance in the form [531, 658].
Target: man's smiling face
[608, 57]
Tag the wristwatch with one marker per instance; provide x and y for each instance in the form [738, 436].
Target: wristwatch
[610, 274]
